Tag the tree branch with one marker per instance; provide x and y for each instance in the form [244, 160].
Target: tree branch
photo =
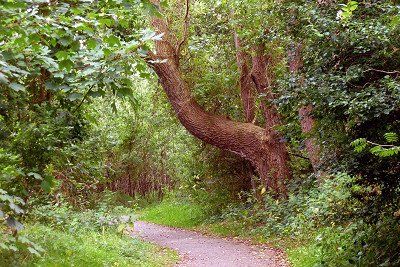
[185, 30]
[84, 98]
[376, 144]
[383, 71]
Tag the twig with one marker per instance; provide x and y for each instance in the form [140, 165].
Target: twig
[376, 144]
[298, 155]
[185, 30]
[383, 71]
[83, 99]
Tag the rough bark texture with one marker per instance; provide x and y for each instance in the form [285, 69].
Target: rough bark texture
[245, 139]
[305, 114]
[277, 157]
[246, 84]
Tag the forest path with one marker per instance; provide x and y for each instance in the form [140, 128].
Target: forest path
[196, 249]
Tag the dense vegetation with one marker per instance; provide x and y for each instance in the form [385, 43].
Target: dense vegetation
[271, 120]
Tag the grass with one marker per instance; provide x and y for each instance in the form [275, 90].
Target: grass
[303, 256]
[175, 214]
[88, 248]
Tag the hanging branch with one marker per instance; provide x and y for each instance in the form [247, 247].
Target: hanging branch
[185, 30]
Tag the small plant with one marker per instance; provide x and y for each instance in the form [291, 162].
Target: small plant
[10, 212]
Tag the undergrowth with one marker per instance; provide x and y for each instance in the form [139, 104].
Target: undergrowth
[67, 236]
[88, 248]
[325, 225]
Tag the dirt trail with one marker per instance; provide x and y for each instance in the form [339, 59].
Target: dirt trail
[197, 249]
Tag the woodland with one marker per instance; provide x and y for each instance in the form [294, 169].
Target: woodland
[271, 121]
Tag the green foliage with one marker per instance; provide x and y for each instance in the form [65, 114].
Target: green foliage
[379, 150]
[176, 213]
[89, 248]
[332, 224]
[95, 237]
[11, 209]
[355, 244]
[65, 217]
[76, 52]
[347, 10]
[55, 148]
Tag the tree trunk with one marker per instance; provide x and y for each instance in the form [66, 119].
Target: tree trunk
[246, 84]
[305, 114]
[244, 139]
[278, 157]
[247, 91]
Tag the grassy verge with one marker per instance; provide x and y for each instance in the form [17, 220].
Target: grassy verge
[175, 214]
[301, 252]
[88, 248]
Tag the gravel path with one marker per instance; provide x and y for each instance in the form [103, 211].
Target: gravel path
[197, 249]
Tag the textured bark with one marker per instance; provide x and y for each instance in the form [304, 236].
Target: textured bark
[277, 157]
[246, 84]
[305, 114]
[247, 90]
[245, 139]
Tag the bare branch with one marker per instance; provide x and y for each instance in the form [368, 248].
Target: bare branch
[376, 144]
[383, 71]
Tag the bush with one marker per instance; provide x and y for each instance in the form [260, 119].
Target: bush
[65, 217]
[333, 219]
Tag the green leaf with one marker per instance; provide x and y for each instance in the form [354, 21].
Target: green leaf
[17, 87]
[124, 91]
[91, 43]
[17, 209]
[50, 85]
[75, 96]
[121, 228]
[3, 79]
[33, 251]
[96, 93]
[46, 186]
[376, 150]
[66, 64]
[61, 55]
[106, 21]
[13, 223]
[151, 9]
[35, 175]
[391, 137]
[112, 40]
[359, 144]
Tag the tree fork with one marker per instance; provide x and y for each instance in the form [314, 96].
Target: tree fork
[244, 139]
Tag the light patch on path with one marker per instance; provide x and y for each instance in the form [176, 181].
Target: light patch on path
[197, 249]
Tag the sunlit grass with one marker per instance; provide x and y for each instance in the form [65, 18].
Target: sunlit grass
[175, 214]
